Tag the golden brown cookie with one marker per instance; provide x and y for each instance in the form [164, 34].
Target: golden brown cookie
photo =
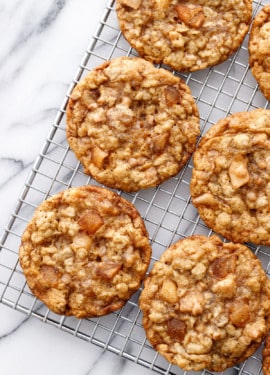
[205, 304]
[230, 183]
[266, 356]
[132, 125]
[259, 50]
[186, 35]
[85, 252]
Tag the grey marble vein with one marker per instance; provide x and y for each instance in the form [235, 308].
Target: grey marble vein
[52, 15]
[15, 329]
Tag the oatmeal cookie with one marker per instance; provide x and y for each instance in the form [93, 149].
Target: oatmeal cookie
[230, 184]
[132, 125]
[85, 252]
[266, 356]
[259, 50]
[185, 35]
[206, 304]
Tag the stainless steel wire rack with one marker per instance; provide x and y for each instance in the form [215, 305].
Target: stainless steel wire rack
[166, 210]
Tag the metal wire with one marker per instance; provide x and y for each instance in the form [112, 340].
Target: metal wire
[166, 210]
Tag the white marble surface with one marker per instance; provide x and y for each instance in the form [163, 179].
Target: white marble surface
[42, 44]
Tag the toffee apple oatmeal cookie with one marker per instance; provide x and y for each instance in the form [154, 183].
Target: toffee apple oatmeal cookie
[259, 50]
[266, 356]
[230, 184]
[187, 35]
[205, 304]
[85, 252]
[132, 125]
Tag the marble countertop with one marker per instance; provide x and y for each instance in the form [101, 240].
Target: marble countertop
[42, 44]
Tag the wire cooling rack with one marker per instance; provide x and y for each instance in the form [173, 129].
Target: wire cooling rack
[166, 210]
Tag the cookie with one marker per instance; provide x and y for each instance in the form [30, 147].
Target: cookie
[132, 125]
[259, 50]
[205, 304]
[230, 184]
[85, 252]
[185, 35]
[266, 356]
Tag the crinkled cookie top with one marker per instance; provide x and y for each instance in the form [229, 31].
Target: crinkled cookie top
[259, 50]
[186, 35]
[85, 252]
[230, 183]
[206, 304]
[132, 125]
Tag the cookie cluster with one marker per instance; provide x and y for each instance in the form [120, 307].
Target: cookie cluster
[205, 303]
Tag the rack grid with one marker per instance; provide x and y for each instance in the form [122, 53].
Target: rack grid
[167, 210]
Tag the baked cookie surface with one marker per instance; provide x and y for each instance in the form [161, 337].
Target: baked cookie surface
[259, 50]
[185, 35]
[132, 125]
[266, 356]
[85, 252]
[205, 304]
[230, 184]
